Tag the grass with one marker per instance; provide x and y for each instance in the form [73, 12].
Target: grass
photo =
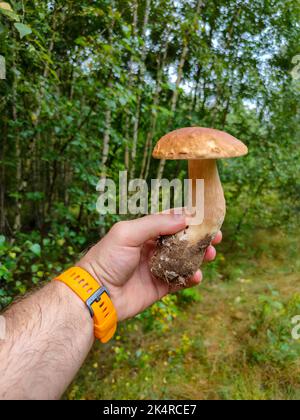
[229, 339]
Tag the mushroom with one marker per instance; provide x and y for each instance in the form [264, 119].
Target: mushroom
[179, 256]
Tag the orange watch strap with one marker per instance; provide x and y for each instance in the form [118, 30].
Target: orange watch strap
[97, 299]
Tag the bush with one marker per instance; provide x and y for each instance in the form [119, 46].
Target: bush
[272, 330]
[31, 259]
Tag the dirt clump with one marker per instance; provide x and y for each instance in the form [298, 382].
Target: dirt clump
[175, 261]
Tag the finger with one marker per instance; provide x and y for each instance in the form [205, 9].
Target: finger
[139, 231]
[196, 279]
[210, 254]
[192, 282]
[148, 249]
[218, 238]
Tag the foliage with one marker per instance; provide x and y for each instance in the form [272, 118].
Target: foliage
[161, 314]
[30, 260]
[89, 88]
[273, 326]
[234, 344]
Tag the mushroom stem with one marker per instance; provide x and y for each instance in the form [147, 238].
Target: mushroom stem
[179, 256]
[214, 201]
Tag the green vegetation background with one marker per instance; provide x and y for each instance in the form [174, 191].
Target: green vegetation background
[90, 86]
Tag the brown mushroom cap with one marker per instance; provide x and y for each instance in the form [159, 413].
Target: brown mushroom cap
[198, 143]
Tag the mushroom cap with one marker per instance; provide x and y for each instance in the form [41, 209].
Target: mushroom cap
[198, 143]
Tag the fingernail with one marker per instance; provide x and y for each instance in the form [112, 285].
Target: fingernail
[199, 276]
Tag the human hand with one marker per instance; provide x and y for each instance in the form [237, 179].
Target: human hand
[120, 261]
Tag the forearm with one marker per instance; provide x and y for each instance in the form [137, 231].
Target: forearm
[48, 336]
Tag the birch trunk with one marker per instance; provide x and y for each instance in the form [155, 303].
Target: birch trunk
[220, 89]
[106, 141]
[130, 81]
[18, 154]
[147, 156]
[142, 71]
[2, 178]
[105, 153]
[126, 132]
[174, 100]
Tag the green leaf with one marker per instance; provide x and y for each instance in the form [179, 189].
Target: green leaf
[6, 6]
[6, 10]
[36, 249]
[35, 196]
[23, 30]
[2, 239]
[21, 287]
[34, 268]
[35, 280]
[2, 293]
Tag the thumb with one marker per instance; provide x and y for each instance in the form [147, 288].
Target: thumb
[139, 231]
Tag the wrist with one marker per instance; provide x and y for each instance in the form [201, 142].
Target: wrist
[95, 297]
[76, 307]
[100, 276]
[92, 270]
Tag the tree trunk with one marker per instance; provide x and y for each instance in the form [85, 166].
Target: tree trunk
[174, 100]
[148, 148]
[135, 137]
[195, 93]
[126, 132]
[130, 81]
[221, 88]
[36, 173]
[142, 71]
[106, 140]
[2, 177]
[18, 153]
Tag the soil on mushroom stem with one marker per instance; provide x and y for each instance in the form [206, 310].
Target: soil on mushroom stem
[175, 261]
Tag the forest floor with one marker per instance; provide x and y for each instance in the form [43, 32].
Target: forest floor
[231, 340]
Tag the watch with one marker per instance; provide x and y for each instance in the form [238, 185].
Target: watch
[96, 298]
